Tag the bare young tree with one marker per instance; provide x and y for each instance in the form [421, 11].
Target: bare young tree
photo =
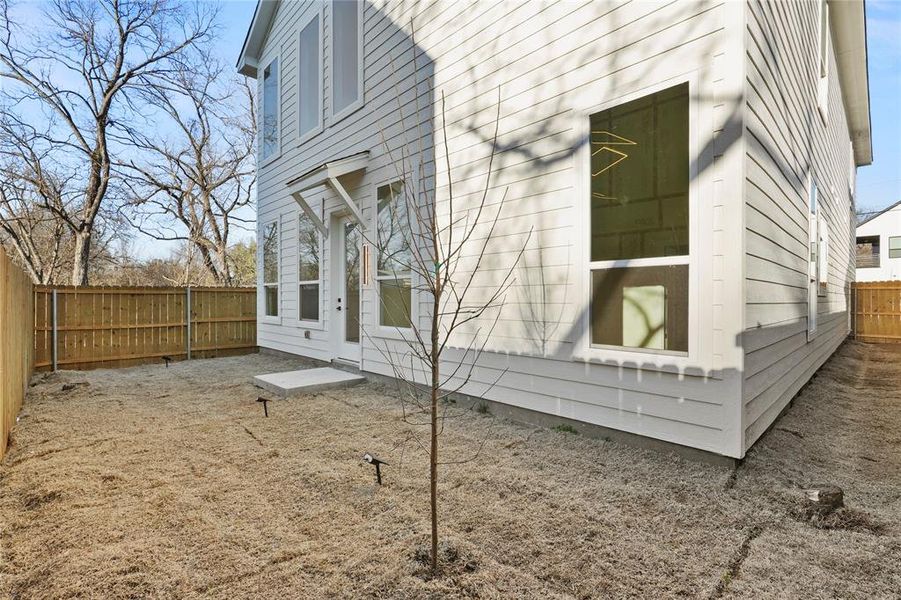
[193, 186]
[437, 242]
[72, 87]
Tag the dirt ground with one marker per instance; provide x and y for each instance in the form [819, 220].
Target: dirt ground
[148, 482]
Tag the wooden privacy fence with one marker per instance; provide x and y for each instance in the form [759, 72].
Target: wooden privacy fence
[91, 327]
[16, 350]
[877, 311]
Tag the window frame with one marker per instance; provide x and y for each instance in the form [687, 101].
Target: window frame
[813, 256]
[309, 323]
[889, 246]
[276, 154]
[584, 350]
[320, 76]
[358, 103]
[391, 331]
[263, 284]
[824, 53]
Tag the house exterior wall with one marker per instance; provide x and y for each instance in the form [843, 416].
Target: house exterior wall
[886, 225]
[552, 64]
[788, 141]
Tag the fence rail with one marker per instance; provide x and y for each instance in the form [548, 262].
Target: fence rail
[877, 311]
[91, 327]
[16, 354]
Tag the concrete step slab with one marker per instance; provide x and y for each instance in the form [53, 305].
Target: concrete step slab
[294, 383]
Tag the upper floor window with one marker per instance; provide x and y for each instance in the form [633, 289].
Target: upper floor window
[639, 223]
[310, 77]
[270, 269]
[823, 58]
[269, 131]
[308, 246]
[394, 273]
[347, 55]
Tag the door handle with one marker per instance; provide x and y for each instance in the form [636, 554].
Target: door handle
[338, 307]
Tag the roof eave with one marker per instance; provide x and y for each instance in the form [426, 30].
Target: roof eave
[256, 35]
[849, 27]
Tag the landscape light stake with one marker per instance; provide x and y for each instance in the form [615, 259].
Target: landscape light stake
[166, 359]
[265, 408]
[372, 460]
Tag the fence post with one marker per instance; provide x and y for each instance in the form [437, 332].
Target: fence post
[188, 317]
[53, 336]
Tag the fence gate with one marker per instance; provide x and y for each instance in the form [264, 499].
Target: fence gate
[877, 311]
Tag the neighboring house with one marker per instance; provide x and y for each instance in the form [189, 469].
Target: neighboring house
[687, 167]
[879, 246]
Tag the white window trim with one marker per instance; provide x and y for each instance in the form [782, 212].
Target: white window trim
[644, 358]
[388, 331]
[278, 111]
[261, 313]
[358, 103]
[823, 61]
[822, 256]
[813, 266]
[307, 323]
[303, 137]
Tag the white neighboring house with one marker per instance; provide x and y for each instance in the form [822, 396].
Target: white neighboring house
[687, 168]
[879, 246]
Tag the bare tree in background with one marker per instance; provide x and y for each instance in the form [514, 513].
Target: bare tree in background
[193, 186]
[439, 243]
[72, 89]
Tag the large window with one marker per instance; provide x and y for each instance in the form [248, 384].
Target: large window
[309, 77]
[393, 274]
[269, 131]
[347, 57]
[307, 269]
[270, 269]
[640, 223]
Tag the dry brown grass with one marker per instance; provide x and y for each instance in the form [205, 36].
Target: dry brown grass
[150, 482]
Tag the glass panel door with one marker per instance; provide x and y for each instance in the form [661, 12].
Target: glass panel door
[351, 282]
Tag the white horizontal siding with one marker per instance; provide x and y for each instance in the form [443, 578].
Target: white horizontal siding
[549, 59]
[785, 137]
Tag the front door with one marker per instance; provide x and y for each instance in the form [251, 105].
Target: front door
[347, 306]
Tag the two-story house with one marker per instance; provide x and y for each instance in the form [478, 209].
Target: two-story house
[686, 171]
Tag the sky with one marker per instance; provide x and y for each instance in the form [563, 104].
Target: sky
[879, 184]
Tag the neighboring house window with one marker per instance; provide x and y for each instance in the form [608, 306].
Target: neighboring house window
[393, 274]
[640, 223]
[270, 269]
[269, 142]
[308, 246]
[894, 247]
[347, 54]
[823, 59]
[309, 77]
[868, 252]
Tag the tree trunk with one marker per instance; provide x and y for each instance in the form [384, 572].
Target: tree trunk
[81, 259]
[433, 456]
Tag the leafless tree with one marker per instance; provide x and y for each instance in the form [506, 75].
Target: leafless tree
[72, 87]
[440, 241]
[193, 186]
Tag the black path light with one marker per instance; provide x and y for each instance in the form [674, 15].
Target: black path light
[166, 359]
[372, 460]
[265, 407]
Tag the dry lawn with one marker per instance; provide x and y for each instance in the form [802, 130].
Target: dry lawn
[148, 482]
